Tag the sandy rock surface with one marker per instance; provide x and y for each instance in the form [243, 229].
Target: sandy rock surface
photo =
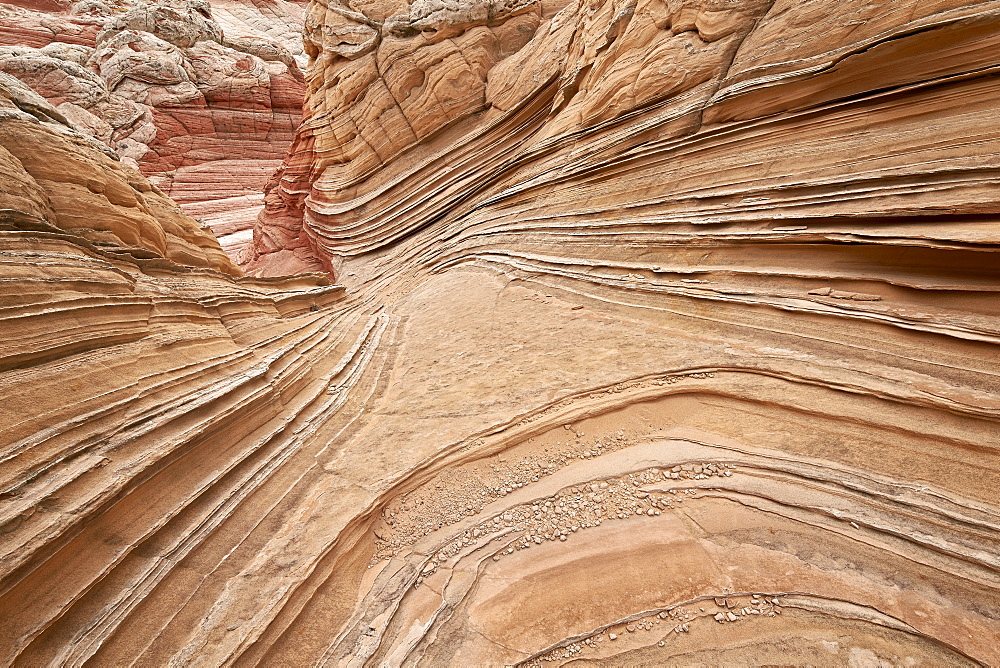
[663, 333]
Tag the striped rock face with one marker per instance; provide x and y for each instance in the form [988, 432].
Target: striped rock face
[203, 99]
[666, 333]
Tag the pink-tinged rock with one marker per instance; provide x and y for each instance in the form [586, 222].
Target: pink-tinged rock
[164, 86]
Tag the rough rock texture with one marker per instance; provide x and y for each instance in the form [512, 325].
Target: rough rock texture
[129, 346]
[56, 176]
[206, 109]
[670, 336]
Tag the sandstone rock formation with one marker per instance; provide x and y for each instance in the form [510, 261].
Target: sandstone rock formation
[207, 113]
[56, 177]
[669, 335]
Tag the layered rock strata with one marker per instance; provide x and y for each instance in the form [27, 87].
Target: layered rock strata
[63, 179]
[669, 336]
[122, 322]
[207, 113]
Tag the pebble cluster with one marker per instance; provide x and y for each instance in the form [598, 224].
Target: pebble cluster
[678, 620]
[464, 491]
[473, 486]
[676, 378]
[757, 605]
[579, 507]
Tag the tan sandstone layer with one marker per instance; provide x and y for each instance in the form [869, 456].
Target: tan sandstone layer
[668, 336]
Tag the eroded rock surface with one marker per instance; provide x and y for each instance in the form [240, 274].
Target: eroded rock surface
[64, 179]
[669, 336]
[205, 108]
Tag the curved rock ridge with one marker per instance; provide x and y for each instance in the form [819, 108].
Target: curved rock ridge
[628, 110]
[668, 335]
[121, 321]
[207, 113]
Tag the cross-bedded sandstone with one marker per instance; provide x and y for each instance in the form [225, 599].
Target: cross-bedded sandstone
[668, 334]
